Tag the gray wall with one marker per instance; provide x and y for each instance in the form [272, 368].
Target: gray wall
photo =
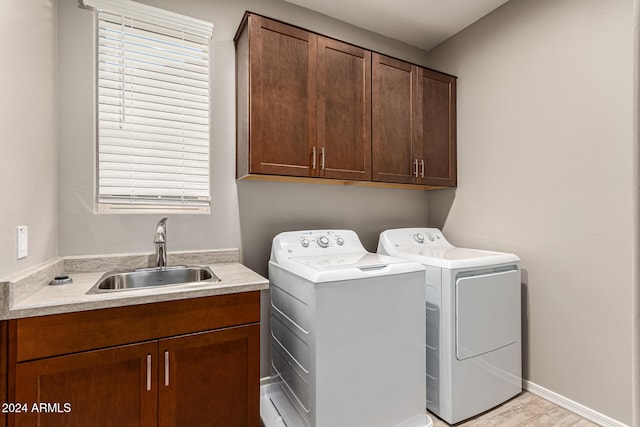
[28, 121]
[243, 214]
[229, 225]
[545, 151]
[546, 161]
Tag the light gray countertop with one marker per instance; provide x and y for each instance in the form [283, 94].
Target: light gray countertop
[44, 299]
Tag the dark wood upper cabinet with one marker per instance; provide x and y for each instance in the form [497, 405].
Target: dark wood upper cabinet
[393, 123]
[414, 124]
[311, 106]
[344, 111]
[437, 128]
[278, 88]
[304, 103]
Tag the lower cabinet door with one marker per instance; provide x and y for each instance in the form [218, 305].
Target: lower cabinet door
[111, 387]
[210, 379]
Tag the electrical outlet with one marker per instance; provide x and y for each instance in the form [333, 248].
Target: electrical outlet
[23, 241]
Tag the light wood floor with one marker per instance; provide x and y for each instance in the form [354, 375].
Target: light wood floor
[526, 409]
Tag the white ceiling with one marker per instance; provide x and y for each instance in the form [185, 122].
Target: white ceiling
[421, 23]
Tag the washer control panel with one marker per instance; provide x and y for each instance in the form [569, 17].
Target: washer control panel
[316, 242]
[421, 237]
[323, 241]
[321, 238]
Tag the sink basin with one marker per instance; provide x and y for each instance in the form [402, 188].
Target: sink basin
[152, 277]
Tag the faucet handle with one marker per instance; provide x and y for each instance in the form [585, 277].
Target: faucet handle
[161, 231]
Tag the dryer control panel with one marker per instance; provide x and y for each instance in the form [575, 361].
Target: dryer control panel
[428, 246]
[429, 237]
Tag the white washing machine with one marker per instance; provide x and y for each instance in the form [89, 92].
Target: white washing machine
[347, 335]
[474, 356]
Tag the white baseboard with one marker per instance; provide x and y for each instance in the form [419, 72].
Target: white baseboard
[572, 406]
[549, 395]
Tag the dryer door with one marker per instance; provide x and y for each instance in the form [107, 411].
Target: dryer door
[487, 312]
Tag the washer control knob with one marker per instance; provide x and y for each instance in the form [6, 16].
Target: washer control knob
[431, 237]
[305, 243]
[419, 238]
[323, 241]
[340, 241]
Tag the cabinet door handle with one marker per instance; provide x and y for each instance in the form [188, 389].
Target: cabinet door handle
[313, 157]
[166, 368]
[422, 168]
[148, 372]
[322, 158]
[415, 167]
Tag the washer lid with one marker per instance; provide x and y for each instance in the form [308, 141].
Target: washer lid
[322, 256]
[361, 260]
[343, 267]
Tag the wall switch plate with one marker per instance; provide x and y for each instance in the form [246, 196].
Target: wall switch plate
[23, 241]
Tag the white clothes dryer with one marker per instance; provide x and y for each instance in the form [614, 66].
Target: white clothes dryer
[474, 356]
[347, 335]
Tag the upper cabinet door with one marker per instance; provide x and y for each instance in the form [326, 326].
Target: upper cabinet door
[344, 111]
[437, 128]
[393, 116]
[282, 65]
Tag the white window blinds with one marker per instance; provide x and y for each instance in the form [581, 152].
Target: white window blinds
[153, 88]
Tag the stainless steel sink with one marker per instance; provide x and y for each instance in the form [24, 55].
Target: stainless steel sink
[152, 277]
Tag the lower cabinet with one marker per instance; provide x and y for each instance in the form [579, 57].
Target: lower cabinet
[204, 378]
[4, 359]
[103, 387]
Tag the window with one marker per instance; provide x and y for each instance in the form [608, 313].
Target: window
[153, 118]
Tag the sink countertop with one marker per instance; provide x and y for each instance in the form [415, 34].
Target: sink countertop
[56, 299]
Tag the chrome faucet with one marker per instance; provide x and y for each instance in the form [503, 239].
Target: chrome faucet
[161, 243]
